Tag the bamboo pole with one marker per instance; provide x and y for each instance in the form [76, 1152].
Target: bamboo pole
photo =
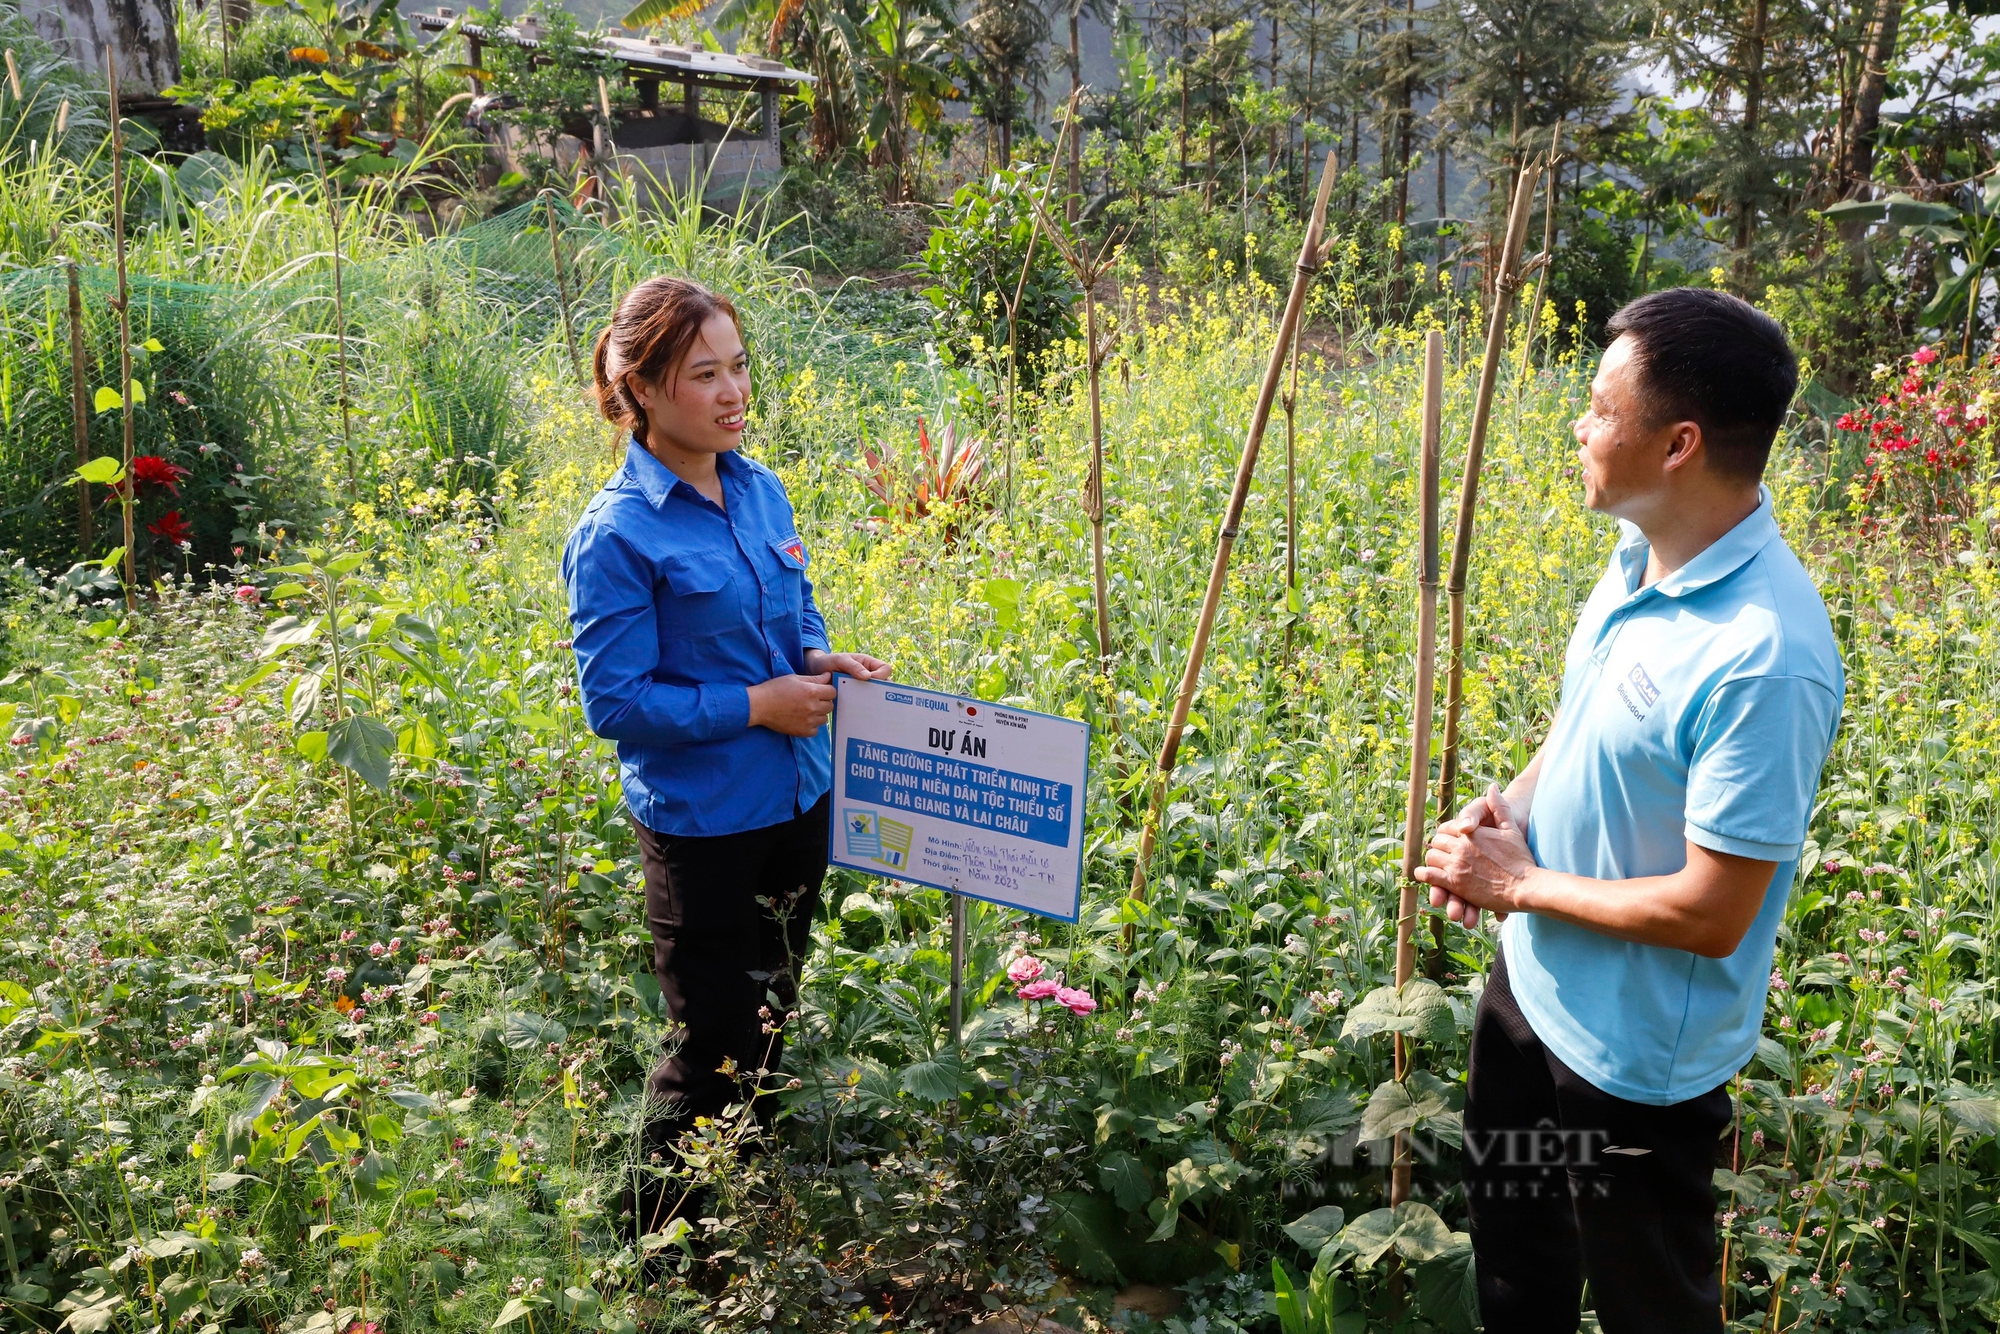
[1505, 283]
[1246, 468]
[1421, 704]
[79, 408]
[1547, 257]
[1013, 314]
[124, 307]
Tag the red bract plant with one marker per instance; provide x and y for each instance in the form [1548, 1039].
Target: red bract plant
[941, 477]
[172, 527]
[152, 470]
[1928, 429]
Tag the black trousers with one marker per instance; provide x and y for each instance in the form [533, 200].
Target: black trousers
[731, 917]
[1564, 1181]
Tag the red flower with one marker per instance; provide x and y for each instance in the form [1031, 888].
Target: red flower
[172, 527]
[1924, 356]
[156, 471]
[1847, 422]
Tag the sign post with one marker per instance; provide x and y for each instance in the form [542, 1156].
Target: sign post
[978, 799]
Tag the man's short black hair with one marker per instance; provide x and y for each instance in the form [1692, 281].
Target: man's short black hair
[1715, 360]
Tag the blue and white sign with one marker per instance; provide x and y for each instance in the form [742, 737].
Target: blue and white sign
[960, 794]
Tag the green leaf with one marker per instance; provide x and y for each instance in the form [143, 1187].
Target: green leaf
[1004, 597]
[116, 554]
[1980, 1115]
[346, 564]
[1121, 1173]
[932, 1081]
[515, 1309]
[1316, 1229]
[521, 1030]
[1289, 1299]
[312, 745]
[1448, 1290]
[105, 400]
[103, 470]
[385, 1129]
[153, 345]
[362, 744]
[1421, 1011]
[1412, 1229]
[287, 632]
[1394, 1108]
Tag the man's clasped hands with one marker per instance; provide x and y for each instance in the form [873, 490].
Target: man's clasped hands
[1479, 861]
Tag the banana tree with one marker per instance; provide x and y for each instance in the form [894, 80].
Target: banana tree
[1968, 233]
[905, 46]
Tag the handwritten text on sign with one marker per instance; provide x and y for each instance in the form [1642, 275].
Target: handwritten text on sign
[961, 794]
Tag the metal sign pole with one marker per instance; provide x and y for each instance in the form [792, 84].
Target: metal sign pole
[957, 966]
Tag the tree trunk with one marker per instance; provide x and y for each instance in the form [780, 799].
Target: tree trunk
[1858, 136]
[1753, 110]
[142, 32]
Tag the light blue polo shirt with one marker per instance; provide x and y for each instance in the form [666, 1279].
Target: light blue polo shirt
[1698, 709]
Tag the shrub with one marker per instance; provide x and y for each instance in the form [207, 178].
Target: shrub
[976, 255]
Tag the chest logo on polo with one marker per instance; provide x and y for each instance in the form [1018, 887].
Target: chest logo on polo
[796, 550]
[1638, 691]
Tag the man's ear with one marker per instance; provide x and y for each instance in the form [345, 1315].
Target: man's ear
[1684, 445]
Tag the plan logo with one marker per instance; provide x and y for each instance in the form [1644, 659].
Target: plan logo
[1648, 692]
[1641, 686]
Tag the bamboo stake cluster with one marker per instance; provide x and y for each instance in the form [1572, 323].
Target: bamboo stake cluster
[1468, 492]
[1414, 825]
[1246, 468]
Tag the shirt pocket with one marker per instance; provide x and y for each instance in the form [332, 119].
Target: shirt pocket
[698, 600]
[790, 553]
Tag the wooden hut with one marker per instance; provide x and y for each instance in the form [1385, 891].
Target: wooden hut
[668, 140]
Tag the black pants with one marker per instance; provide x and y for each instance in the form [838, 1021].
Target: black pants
[1564, 1181]
[723, 958]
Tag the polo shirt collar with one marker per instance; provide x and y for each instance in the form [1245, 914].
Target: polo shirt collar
[1722, 558]
[656, 481]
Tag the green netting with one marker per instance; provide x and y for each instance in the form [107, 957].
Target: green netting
[242, 382]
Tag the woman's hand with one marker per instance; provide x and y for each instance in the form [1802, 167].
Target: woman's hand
[857, 665]
[792, 705]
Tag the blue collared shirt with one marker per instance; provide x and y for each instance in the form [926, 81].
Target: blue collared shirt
[1698, 709]
[679, 606]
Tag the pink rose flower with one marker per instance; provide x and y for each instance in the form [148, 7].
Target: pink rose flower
[1076, 1002]
[1924, 356]
[1024, 970]
[1040, 989]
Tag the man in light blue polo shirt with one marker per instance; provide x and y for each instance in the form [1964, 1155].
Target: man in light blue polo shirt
[1643, 860]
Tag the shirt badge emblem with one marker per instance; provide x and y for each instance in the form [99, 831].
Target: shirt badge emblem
[796, 550]
[1643, 684]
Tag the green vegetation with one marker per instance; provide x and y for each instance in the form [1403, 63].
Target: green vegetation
[325, 993]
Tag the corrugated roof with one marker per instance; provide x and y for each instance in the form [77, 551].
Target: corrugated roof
[638, 52]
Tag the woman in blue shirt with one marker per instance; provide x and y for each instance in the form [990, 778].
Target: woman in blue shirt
[700, 652]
